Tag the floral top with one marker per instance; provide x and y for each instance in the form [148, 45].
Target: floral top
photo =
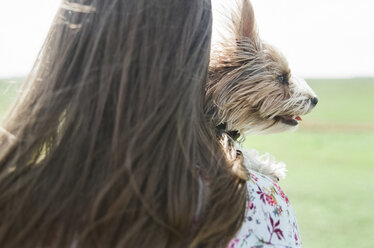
[270, 220]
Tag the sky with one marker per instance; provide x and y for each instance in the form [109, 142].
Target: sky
[320, 38]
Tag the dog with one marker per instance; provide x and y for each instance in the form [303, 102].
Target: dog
[251, 90]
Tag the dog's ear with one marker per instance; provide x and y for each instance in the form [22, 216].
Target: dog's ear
[244, 23]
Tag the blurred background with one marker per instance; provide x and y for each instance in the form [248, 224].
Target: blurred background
[331, 157]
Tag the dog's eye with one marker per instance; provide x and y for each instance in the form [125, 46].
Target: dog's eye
[282, 79]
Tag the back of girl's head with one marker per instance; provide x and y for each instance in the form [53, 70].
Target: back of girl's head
[108, 130]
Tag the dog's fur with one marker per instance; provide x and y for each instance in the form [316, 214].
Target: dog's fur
[252, 90]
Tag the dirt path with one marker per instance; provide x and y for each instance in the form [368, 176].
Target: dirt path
[337, 127]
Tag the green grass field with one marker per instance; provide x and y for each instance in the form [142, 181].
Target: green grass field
[8, 91]
[331, 165]
[330, 161]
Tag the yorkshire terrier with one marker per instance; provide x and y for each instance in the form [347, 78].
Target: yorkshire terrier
[251, 90]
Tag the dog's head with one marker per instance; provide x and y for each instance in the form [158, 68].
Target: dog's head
[251, 88]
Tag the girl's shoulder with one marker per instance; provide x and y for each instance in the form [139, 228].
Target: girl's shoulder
[270, 220]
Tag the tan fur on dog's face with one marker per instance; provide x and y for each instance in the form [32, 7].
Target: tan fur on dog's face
[251, 88]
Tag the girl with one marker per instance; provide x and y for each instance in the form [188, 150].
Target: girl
[107, 145]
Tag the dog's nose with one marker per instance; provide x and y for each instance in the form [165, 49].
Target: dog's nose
[314, 101]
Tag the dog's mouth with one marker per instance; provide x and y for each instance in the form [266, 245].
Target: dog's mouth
[289, 119]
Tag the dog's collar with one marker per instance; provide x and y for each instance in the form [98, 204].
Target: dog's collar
[221, 128]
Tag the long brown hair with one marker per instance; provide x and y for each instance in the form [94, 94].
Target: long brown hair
[107, 144]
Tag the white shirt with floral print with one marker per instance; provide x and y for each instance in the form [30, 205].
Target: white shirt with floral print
[270, 220]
